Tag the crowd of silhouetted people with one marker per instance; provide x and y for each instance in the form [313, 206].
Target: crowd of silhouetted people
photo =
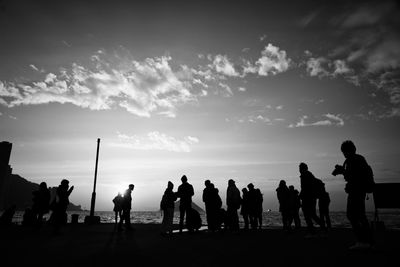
[356, 171]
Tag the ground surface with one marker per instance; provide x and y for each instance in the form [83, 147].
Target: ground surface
[101, 245]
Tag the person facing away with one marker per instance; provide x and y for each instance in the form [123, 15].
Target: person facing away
[233, 202]
[355, 171]
[213, 204]
[293, 207]
[252, 201]
[282, 193]
[323, 206]
[126, 209]
[185, 193]
[41, 202]
[259, 207]
[245, 208]
[118, 207]
[60, 204]
[167, 206]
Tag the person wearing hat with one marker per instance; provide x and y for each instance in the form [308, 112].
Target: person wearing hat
[233, 201]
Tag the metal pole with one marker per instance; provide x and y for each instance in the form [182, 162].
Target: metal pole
[93, 202]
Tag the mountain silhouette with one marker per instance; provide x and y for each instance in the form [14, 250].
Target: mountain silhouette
[194, 206]
[19, 192]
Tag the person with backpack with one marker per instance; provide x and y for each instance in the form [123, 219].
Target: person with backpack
[359, 181]
[308, 195]
[118, 207]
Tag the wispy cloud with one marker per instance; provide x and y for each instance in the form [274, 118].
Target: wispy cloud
[156, 141]
[330, 120]
[140, 87]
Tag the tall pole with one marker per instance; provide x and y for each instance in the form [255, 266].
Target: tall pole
[93, 202]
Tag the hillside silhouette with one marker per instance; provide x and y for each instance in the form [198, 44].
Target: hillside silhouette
[19, 192]
[194, 206]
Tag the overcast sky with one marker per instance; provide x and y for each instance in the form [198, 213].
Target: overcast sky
[212, 90]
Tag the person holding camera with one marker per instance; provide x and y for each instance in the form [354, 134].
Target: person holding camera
[358, 176]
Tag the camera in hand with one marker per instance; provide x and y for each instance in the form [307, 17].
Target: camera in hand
[338, 170]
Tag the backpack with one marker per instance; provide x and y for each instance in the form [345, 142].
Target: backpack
[368, 179]
[318, 187]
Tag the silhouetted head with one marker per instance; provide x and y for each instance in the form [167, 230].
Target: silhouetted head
[244, 190]
[212, 186]
[348, 148]
[250, 186]
[303, 167]
[291, 188]
[207, 183]
[170, 185]
[282, 183]
[131, 186]
[65, 183]
[43, 185]
[184, 179]
[231, 182]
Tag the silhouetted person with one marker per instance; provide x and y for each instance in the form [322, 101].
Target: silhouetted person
[323, 206]
[193, 220]
[259, 207]
[294, 207]
[185, 193]
[245, 208]
[7, 216]
[218, 206]
[357, 174]
[208, 202]
[308, 196]
[118, 199]
[126, 209]
[60, 204]
[41, 202]
[252, 201]
[167, 205]
[233, 201]
[282, 193]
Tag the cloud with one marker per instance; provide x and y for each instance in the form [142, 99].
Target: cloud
[33, 67]
[306, 20]
[368, 15]
[140, 87]
[272, 61]
[314, 67]
[223, 65]
[331, 120]
[227, 90]
[156, 141]
[242, 89]
[386, 56]
[263, 37]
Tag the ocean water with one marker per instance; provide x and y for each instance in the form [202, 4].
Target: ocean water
[271, 219]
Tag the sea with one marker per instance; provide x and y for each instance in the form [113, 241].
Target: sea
[271, 219]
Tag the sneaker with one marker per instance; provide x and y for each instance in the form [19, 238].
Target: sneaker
[360, 246]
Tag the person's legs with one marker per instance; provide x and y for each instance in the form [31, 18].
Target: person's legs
[307, 211]
[182, 211]
[358, 219]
